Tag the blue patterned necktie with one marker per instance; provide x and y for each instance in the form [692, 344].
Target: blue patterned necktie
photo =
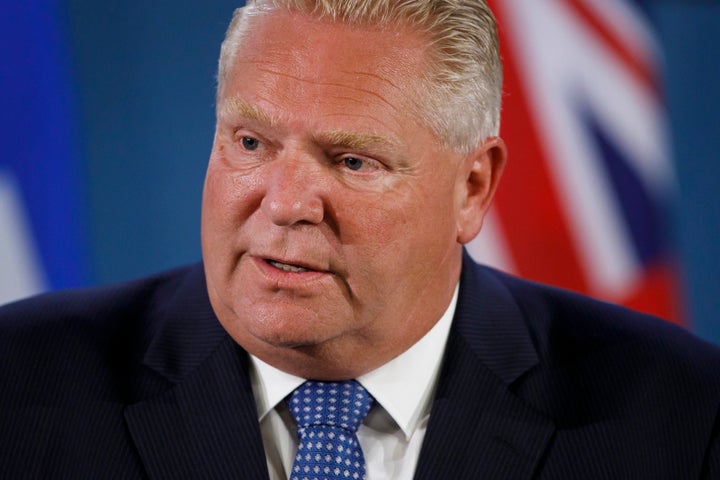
[328, 415]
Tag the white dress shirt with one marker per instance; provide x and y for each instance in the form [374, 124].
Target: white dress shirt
[393, 431]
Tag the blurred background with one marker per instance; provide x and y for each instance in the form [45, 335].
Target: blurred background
[612, 115]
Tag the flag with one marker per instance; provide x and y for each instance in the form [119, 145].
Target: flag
[583, 201]
[42, 235]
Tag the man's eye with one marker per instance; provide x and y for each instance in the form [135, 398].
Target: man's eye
[353, 163]
[250, 143]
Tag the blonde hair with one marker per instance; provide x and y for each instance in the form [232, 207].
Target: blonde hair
[464, 82]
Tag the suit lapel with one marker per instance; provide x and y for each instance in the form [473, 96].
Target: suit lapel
[478, 428]
[205, 424]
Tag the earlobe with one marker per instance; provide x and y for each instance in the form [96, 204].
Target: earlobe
[482, 171]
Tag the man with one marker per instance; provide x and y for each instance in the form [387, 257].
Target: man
[356, 151]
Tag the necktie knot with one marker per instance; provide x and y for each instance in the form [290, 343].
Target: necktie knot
[328, 415]
[337, 404]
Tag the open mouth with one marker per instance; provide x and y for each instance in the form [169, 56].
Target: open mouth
[286, 267]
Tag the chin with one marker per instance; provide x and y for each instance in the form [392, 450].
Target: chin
[291, 330]
[288, 340]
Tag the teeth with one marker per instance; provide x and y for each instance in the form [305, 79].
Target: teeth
[287, 268]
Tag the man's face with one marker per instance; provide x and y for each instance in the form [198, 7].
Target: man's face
[331, 213]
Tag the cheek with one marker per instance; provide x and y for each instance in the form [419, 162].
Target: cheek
[378, 235]
[419, 213]
[372, 222]
[422, 232]
[228, 198]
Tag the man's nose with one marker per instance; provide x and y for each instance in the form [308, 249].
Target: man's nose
[293, 194]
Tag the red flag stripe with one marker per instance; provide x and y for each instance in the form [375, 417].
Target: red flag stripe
[527, 202]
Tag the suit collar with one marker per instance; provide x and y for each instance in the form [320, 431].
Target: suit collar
[187, 331]
[205, 426]
[490, 320]
[202, 422]
[478, 427]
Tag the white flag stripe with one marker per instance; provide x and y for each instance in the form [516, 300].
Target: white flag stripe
[19, 266]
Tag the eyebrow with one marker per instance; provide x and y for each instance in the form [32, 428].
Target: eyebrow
[235, 107]
[238, 108]
[353, 140]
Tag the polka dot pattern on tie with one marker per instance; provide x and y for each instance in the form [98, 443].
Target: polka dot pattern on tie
[328, 415]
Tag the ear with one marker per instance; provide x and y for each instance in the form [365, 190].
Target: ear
[479, 177]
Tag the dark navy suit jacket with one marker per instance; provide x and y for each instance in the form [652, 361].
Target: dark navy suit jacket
[141, 381]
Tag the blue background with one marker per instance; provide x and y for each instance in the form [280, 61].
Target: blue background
[144, 76]
[39, 143]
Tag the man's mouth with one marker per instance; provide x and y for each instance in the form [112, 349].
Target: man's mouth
[287, 268]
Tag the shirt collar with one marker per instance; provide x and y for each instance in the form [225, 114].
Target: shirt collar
[403, 387]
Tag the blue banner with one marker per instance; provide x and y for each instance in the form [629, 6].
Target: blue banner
[43, 241]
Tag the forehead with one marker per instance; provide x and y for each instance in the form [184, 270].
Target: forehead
[297, 56]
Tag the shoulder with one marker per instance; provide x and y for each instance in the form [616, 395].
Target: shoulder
[72, 335]
[573, 332]
[555, 315]
[620, 386]
[83, 309]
